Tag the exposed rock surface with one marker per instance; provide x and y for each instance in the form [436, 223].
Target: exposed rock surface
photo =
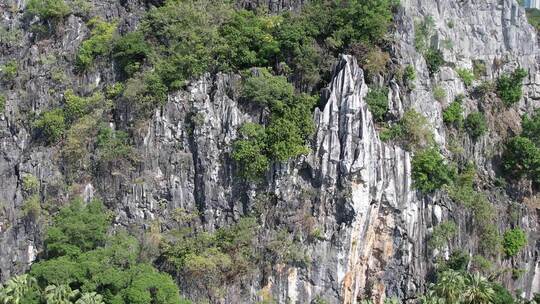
[356, 189]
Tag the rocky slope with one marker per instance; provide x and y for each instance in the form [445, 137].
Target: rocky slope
[352, 188]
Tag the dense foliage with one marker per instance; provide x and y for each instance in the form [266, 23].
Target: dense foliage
[82, 261]
[521, 158]
[467, 76]
[453, 114]
[285, 136]
[475, 124]
[413, 131]
[513, 241]
[377, 101]
[509, 87]
[430, 171]
[48, 9]
[98, 44]
[212, 259]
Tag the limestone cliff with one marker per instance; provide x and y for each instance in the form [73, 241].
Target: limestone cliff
[353, 188]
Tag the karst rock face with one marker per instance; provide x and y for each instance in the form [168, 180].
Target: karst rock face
[355, 189]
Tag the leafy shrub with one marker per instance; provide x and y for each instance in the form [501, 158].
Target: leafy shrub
[98, 44]
[509, 87]
[479, 68]
[531, 127]
[287, 132]
[485, 88]
[208, 260]
[439, 93]
[409, 75]
[130, 51]
[77, 228]
[490, 239]
[31, 208]
[502, 295]
[249, 39]
[430, 171]
[481, 263]
[30, 183]
[9, 70]
[145, 91]
[345, 27]
[475, 124]
[51, 125]
[522, 158]
[268, 90]
[250, 151]
[458, 260]
[414, 130]
[466, 76]
[533, 15]
[76, 106]
[375, 62]
[434, 60]
[48, 9]
[453, 114]
[113, 146]
[377, 101]
[513, 241]
[187, 38]
[441, 234]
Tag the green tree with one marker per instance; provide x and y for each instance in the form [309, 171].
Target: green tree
[51, 125]
[98, 44]
[531, 127]
[434, 60]
[430, 171]
[76, 229]
[475, 124]
[250, 151]
[450, 286]
[377, 101]
[249, 39]
[453, 114]
[442, 234]
[130, 51]
[478, 290]
[62, 294]
[15, 289]
[48, 9]
[513, 241]
[522, 158]
[509, 87]
[90, 298]
[467, 76]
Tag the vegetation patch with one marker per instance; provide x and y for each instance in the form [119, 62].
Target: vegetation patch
[467, 76]
[514, 240]
[48, 9]
[509, 87]
[475, 124]
[430, 171]
[290, 125]
[413, 131]
[453, 114]
[98, 44]
[82, 263]
[377, 101]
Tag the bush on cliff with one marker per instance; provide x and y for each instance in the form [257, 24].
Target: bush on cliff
[430, 171]
[514, 241]
[509, 87]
